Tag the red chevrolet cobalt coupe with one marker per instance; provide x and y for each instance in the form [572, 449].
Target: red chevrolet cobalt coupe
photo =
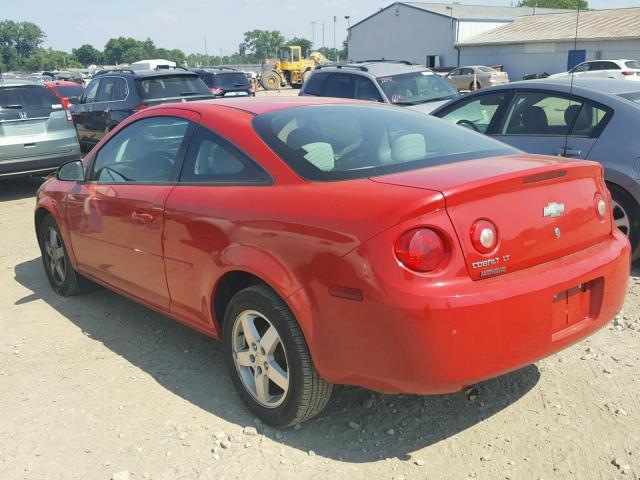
[334, 242]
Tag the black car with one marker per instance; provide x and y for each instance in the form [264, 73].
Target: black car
[226, 82]
[114, 95]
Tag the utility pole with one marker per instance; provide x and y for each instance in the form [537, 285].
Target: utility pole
[335, 52]
[323, 35]
[313, 34]
[206, 52]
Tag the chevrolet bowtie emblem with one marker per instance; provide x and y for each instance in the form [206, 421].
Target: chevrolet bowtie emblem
[554, 210]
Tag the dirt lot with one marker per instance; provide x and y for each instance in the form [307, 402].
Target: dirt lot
[97, 387]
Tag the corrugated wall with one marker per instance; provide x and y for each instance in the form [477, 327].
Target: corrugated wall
[468, 29]
[411, 34]
[521, 59]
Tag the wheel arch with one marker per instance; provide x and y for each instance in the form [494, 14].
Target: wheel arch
[47, 207]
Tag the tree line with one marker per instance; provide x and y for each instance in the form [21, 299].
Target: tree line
[21, 49]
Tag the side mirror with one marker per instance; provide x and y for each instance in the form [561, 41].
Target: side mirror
[71, 171]
[74, 100]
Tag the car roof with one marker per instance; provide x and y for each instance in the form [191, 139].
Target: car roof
[260, 105]
[215, 70]
[62, 83]
[13, 82]
[162, 72]
[601, 85]
[379, 68]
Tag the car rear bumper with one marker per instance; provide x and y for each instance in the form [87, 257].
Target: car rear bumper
[450, 336]
[36, 166]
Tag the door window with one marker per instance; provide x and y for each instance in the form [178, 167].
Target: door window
[145, 151]
[364, 89]
[338, 85]
[315, 83]
[112, 89]
[476, 113]
[538, 113]
[211, 159]
[91, 91]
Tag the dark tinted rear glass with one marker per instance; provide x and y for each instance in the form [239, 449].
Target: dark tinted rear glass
[632, 96]
[338, 142]
[68, 90]
[26, 97]
[171, 86]
[315, 83]
[632, 64]
[227, 81]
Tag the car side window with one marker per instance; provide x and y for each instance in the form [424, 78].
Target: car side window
[611, 66]
[145, 151]
[107, 88]
[475, 113]
[211, 159]
[89, 95]
[338, 86]
[454, 72]
[315, 84]
[546, 114]
[364, 89]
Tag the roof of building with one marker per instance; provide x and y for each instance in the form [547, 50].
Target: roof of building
[612, 24]
[470, 12]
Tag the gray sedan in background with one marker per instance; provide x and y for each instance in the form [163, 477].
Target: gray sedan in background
[596, 119]
[476, 77]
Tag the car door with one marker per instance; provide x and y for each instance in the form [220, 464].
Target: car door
[552, 123]
[116, 217]
[201, 215]
[452, 77]
[82, 110]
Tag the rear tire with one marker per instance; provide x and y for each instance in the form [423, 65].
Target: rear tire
[271, 81]
[626, 215]
[62, 277]
[269, 361]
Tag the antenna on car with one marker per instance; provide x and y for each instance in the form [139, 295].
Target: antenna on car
[575, 48]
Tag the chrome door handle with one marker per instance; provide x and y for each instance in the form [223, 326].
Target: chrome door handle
[568, 152]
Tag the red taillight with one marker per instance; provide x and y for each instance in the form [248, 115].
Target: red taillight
[601, 206]
[216, 91]
[421, 249]
[139, 108]
[627, 74]
[484, 236]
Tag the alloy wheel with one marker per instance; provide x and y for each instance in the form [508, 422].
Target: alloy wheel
[55, 256]
[621, 218]
[260, 358]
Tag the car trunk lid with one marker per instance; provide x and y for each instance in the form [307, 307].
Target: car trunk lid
[543, 208]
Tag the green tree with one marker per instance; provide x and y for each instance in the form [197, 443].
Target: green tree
[261, 43]
[116, 48]
[302, 42]
[87, 54]
[18, 40]
[568, 4]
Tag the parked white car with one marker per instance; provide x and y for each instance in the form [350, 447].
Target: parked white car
[619, 69]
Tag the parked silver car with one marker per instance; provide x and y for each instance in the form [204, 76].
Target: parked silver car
[596, 120]
[476, 77]
[36, 133]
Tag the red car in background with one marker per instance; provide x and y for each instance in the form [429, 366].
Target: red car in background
[65, 90]
[327, 241]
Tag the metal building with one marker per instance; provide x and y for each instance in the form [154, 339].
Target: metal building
[547, 43]
[426, 33]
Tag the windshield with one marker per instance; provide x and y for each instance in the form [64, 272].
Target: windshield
[417, 87]
[487, 69]
[338, 142]
[632, 96]
[228, 81]
[68, 90]
[172, 86]
[25, 97]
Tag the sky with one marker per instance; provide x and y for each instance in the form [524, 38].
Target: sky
[185, 24]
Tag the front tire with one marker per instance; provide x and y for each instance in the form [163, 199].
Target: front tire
[271, 81]
[62, 277]
[269, 361]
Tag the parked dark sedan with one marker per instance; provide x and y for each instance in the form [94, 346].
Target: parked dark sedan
[597, 120]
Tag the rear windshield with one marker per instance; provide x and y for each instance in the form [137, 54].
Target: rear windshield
[68, 90]
[338, 142]
[230, 80]
[27, 97]
[417, 87]
[171, 86]
[487, 69]
[633, 96]
[632, 64]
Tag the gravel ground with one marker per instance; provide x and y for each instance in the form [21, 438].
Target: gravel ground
[98, 387]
